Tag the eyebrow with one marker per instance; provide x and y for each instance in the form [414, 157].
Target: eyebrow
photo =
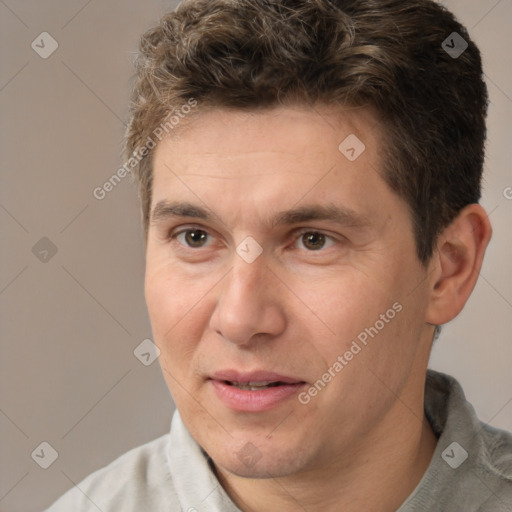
[165, 210]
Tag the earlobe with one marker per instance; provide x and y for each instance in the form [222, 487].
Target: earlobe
[457, 262]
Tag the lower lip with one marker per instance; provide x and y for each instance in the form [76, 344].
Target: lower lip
[254, 401]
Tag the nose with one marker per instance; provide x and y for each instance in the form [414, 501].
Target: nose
[249, 305]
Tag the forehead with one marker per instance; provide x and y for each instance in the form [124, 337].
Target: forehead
[294, 130]
[287, 156]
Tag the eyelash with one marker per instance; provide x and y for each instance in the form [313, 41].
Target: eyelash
[297, 236]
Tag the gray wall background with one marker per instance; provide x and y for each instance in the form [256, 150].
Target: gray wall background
[70, 321]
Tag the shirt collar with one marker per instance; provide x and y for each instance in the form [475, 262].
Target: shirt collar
[196, 485]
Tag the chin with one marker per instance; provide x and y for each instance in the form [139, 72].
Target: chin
[268, 462]
[253, 448]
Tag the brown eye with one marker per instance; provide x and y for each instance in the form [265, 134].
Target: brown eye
[313, 240]
[193, 237]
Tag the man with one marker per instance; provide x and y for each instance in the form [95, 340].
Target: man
[309, 175]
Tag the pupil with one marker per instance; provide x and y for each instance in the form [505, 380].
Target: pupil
[314, 241]
[195, 238]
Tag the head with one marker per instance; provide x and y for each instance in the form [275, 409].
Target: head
[309, 175]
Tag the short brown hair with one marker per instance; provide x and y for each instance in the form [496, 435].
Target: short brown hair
[389, 55]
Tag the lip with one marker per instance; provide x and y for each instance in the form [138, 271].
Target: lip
[254, 376]
[253, 401]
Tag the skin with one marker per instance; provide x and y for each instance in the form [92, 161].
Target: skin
[362, 442]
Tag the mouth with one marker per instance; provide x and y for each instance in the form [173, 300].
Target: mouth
[255, 386]
[254, 391]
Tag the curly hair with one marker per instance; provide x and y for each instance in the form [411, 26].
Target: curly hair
[389, 55]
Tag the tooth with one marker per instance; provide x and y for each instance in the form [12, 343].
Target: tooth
[255, 386]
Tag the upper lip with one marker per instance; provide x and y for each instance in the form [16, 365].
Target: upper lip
[253, 377]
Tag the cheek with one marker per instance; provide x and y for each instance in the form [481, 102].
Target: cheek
[345, 302]
[372, 318]
[172, 292]
[178, 319]
[177, 310]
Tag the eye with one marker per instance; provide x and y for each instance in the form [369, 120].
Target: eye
[193, 238]
[314, 240]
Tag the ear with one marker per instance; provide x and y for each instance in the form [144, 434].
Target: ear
[456, 263]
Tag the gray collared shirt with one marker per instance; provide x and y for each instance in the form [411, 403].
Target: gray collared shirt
[470, 471]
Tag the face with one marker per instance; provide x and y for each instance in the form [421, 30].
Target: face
[283, 287]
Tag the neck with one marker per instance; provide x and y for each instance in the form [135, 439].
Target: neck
[377, 473]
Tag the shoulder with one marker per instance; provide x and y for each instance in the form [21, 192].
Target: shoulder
[494, 461]
[471, 468]
[137, 480]
[484, 480]
[489, 448]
